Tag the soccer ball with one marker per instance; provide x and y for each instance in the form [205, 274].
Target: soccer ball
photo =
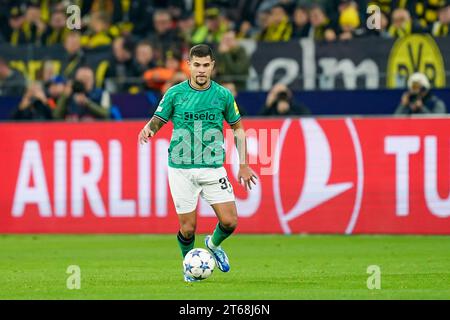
[199, 264]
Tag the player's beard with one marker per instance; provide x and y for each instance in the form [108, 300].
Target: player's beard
[201, 83]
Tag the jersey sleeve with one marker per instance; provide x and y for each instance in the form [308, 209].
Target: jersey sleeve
[165, 108]
[231, 113]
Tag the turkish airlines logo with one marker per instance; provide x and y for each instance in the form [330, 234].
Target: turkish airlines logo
[319, 167]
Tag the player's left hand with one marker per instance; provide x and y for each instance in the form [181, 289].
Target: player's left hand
[145, 134]
[246, 176]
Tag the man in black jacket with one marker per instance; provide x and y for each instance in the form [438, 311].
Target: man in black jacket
[280, 102]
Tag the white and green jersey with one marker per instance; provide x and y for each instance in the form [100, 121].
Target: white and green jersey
[197, 115]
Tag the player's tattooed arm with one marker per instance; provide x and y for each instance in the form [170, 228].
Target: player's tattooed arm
[155, 124]
[150, 129]
[245, 174]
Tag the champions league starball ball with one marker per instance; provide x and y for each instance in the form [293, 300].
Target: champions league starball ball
[199, 264]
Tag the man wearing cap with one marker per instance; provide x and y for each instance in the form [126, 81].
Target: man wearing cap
[186, 27]
[54, 90]
[213, 29]
[418, 99]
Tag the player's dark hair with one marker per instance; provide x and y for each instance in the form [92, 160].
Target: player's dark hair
[201, 50]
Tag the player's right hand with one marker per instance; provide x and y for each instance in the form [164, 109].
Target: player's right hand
[145, 134]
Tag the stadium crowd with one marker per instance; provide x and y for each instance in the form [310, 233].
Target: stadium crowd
[149, 42]
[171, 24]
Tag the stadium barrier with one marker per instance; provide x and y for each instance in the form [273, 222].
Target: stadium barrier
[334, 102]
[340, 175]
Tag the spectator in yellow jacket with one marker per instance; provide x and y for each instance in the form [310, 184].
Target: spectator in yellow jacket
[99, 32]
[279, 26]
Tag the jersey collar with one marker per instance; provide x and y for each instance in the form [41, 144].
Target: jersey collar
[189, 82]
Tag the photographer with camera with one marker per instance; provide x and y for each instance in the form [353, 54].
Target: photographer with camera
[418, 99]
[280, 102]
[34, 105]
[81, 100]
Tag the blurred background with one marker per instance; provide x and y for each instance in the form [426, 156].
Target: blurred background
[279, 58]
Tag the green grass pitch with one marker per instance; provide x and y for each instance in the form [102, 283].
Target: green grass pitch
[262, 267]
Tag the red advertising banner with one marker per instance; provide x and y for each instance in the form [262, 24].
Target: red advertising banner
[344, 176]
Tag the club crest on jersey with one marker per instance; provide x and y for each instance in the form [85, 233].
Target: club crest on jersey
[192, 116]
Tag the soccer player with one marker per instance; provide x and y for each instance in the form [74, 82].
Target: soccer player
[197, 108]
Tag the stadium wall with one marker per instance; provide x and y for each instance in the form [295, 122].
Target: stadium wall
[340, 175]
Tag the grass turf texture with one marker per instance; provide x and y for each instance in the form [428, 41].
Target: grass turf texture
[262, 267]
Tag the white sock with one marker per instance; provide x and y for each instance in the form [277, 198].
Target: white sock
[211, 244]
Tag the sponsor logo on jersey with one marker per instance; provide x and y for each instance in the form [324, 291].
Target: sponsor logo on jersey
[192, 116]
